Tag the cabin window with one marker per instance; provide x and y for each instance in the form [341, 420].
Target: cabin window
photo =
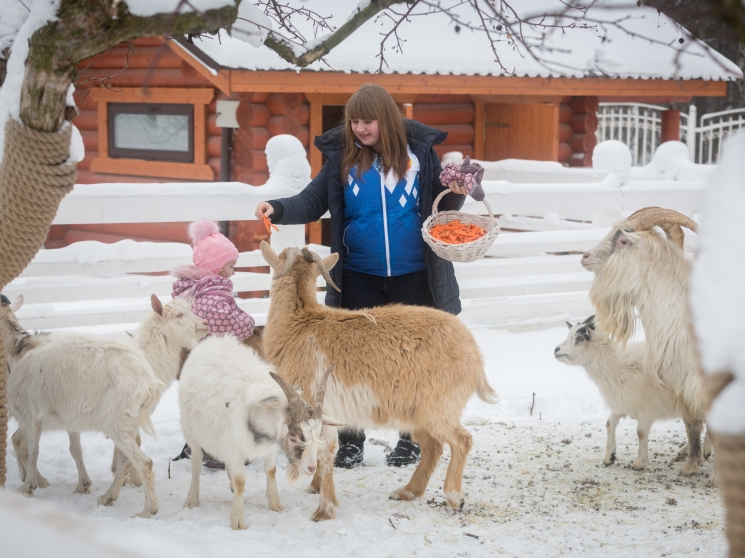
[151, 131]
[154, 132]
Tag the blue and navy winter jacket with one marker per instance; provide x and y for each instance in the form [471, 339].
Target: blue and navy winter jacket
[382, 222]
[326, 193]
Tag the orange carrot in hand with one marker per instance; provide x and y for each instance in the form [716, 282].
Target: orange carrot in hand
[269, 225]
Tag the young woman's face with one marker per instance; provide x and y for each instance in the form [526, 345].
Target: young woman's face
[228, 270]
[367, 132]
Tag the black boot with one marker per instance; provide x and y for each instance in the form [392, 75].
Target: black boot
[185, 453]
[405, 452]
[351, 449]
[207, 460]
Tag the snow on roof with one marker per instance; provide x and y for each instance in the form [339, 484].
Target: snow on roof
[433, 46]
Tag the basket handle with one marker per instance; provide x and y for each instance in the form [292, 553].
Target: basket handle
[492, 221]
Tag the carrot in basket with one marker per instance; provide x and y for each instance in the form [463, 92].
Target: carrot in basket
[456, 232]
[269, 225]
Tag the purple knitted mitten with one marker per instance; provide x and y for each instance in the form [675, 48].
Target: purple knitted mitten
[468, 175]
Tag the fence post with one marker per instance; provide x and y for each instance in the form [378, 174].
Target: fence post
[691, 133]
[670, 126]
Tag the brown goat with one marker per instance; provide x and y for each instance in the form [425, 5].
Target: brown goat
[404, 367]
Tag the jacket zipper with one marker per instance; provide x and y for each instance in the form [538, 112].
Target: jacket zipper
[385, 225]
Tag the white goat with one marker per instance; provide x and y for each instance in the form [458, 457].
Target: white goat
[636, 267]
[629, 389]
[232, 408]
[407, 367]
[101, 380]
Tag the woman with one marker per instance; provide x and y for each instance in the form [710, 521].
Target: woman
[379, 182]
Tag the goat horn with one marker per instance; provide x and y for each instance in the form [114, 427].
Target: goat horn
[290, 258]
[290, 392]
[321, 392]
[590, 322]
[319, 262]
[668, 220]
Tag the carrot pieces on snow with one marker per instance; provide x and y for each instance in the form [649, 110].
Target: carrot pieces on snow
[456, 232]
[269, 225]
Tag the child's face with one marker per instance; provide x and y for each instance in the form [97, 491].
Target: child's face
[367, 132]
[228, 270]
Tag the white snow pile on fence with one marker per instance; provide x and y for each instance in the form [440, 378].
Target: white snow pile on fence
[672, 161]
[718, 298]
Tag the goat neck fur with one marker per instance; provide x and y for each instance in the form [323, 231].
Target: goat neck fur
[233, 409]
[165, 333]
[79, 382]
[406, 367]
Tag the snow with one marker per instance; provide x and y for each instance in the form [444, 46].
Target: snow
[535, 484]
[434, 47]
[251, 25]
[147, 8]
[611, 156]
[717, 299]
[672, 161]
[289, 170]
[42, 12]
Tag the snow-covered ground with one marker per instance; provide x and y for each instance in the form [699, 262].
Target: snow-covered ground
[535, 485]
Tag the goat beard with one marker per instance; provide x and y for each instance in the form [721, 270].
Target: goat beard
[294, 473]
[612, 295]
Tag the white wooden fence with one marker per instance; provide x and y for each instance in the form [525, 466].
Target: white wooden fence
[638, 125]
[528, 280]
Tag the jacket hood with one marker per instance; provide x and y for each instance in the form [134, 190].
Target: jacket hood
[190, 272]
[333, 140]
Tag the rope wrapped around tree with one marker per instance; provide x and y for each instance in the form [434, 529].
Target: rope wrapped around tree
[35, 175]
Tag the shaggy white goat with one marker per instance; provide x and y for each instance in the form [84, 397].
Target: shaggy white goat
[405, 367]
[232, 408]
[629, 389]
[636, 267]
[64, 381]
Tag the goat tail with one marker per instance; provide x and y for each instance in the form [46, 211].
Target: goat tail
[485, 391]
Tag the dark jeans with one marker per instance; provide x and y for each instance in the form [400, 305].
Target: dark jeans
[360, 290]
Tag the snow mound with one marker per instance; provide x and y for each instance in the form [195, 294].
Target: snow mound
[289, 170]
[672, 161]
[611, 156]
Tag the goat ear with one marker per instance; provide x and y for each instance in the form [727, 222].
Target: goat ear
[328, 421]
[269, 255]
[569, 326]
[156, 304]
[17, 303]
[282, 429]
[330, 261]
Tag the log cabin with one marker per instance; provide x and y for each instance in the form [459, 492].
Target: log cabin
[543, 110]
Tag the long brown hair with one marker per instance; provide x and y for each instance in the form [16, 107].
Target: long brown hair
[372, 102]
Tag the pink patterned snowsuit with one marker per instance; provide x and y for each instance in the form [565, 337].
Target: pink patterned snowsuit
[213, 301]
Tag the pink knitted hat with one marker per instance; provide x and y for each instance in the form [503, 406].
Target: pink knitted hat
[211, 249]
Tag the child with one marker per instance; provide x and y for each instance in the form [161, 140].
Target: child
[208, 283]
[379, 182]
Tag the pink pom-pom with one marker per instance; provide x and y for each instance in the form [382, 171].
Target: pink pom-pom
[201, 229]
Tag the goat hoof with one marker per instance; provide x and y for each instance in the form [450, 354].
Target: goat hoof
[277, 507]
[680, 457]
[402, 493]
[610, 460]
[313, 489]
[191, 503]
[106, 500]
[712, 482]
[41, 482]
[688, 469]
[26, 489]
[82, 489]
[147, 513]
[707, 455]
[238, 525]
[323, 514]
[638, 465]
[455, 499]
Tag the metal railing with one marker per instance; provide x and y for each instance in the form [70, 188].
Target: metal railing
[639, 126]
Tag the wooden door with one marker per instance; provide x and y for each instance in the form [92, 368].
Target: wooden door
[522, 131]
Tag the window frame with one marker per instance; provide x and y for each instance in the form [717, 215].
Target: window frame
[187, 110]
[198, 97]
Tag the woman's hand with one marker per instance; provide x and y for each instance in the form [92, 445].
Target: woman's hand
[263, 209]
[458, 189]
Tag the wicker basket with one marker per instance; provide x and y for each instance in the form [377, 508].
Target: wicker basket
[466, 252]
[729, 462]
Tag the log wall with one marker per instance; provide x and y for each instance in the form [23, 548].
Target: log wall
[453, 114]
[578, 122]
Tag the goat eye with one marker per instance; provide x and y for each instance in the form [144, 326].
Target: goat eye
[180, 315]
[293, 440]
